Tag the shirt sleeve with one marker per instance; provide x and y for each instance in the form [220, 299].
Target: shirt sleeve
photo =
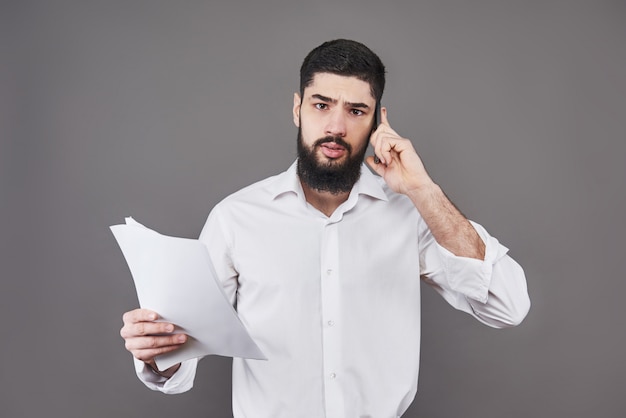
[492, 290]
[180, 382]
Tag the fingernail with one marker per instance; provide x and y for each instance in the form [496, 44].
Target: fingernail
[181, 338]
[169, 328]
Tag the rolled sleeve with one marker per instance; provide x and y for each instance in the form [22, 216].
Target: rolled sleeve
[492, 290]
[470, 276]
[180, 382]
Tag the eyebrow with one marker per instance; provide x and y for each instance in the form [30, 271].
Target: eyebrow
[334, 101]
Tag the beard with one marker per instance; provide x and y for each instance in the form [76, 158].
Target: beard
[329, 176]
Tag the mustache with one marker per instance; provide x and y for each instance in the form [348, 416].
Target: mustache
[336, 139]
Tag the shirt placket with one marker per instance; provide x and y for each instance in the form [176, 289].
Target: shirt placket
[331, 325]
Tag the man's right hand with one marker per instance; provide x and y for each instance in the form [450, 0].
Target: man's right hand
[146, 339]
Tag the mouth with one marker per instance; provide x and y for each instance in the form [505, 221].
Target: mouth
[332, 150]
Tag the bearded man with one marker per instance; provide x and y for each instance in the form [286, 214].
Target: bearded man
[323, 261]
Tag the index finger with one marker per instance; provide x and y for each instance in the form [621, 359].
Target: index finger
[385, 123]
[383, 117]
[139, 315]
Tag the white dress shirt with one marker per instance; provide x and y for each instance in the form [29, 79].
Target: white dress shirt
[334, 302]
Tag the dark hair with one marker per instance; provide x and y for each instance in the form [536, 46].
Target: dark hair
[347, 58]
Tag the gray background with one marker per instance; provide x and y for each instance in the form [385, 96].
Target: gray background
[160, 109]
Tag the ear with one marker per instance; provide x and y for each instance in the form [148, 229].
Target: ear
[297, 104]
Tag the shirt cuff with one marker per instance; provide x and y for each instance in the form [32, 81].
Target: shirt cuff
[181, 381]
[470, 276]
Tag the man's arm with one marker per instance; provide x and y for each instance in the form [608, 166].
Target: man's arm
[448, 225]
[492, 290]
[467, 266]
[404, 172]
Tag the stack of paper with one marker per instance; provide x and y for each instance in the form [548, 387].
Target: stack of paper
[175, 278]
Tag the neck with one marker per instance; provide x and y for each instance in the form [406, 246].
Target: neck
[325, 202]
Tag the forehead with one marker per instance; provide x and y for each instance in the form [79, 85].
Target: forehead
[339, 87]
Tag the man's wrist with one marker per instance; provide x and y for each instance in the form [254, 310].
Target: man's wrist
[428, 191]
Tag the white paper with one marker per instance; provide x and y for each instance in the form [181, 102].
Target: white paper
[175, 278]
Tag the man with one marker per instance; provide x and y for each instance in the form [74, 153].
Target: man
[323, 260]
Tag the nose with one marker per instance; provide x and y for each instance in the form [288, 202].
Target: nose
[336, 123]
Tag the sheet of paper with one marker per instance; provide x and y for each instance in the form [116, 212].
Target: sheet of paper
[175, 278]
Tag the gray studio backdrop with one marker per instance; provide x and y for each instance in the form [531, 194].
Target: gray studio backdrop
[160, 109]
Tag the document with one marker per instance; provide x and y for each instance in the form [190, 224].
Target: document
[175, 278]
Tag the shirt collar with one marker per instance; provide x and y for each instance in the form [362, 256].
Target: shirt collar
[288, 182]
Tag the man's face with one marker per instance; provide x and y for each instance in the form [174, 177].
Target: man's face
[335, 119]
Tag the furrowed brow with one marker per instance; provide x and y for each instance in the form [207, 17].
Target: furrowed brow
[324, 98]
[356, 105]
[352, 105]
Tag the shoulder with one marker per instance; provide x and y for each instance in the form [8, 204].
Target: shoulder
[251, 197]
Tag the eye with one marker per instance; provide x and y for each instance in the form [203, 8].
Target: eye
[321, 106]
[356, 112]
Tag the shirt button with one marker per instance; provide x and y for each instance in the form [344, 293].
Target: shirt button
[329, 272]
[331, 323]
[333, 375]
